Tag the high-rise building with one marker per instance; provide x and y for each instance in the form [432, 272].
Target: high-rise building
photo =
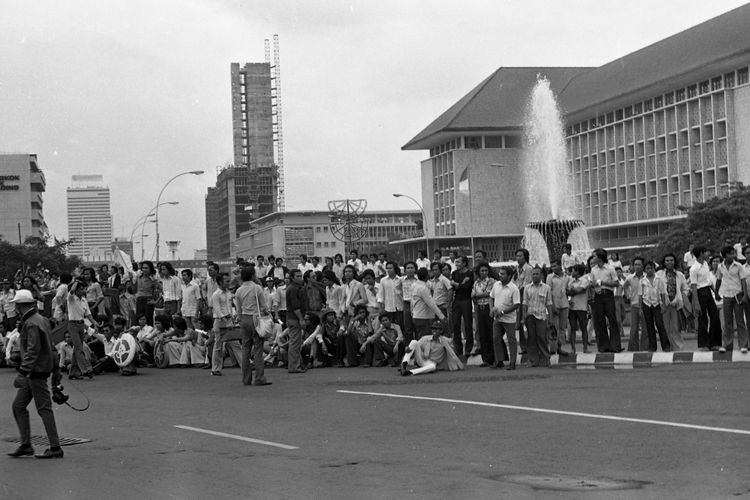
[22, 184]
[89, 218]
[248, 188]
[646, 135]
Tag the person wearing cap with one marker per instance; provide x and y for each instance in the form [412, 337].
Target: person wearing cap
[38, 362]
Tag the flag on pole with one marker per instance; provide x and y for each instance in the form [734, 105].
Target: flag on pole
[123, 260]
[463, 182]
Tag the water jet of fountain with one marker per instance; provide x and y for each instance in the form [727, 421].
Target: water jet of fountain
[549, 201]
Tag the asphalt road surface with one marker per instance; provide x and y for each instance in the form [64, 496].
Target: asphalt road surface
[532, 433]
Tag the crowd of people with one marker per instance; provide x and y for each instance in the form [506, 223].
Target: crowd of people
[418, 316]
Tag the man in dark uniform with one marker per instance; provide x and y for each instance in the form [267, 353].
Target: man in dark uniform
[38, 361]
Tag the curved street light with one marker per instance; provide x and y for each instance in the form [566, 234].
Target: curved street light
[424, 220]
[150, 213]
[191, 172]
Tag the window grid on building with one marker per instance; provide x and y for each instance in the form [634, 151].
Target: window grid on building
[646, 160]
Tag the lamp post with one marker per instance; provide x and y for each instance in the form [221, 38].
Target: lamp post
[191, 172]
[424, 220]
[142, 220]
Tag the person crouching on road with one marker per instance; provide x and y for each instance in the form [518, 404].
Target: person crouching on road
[38, 361]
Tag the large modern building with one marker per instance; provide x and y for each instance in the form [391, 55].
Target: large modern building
[247, 189]
[89, 218]
[648, 134]
[290, 234]
[22, 185]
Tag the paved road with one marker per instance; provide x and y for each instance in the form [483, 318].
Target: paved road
[370, 446]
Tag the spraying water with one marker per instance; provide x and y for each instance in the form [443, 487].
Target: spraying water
[549, 203]
[544, 160]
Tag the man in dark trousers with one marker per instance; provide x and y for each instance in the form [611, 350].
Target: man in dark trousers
[38, 361]
[462, 280]
[297, 306]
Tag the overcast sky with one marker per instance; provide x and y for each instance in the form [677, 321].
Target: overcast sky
[138, 91]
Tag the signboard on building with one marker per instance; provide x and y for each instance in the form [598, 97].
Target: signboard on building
[9, 182]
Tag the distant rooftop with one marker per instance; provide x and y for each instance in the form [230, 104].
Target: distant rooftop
[498, 103]
[87, 181]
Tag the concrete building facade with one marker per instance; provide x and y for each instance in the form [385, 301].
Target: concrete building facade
[247, 189]
[22, 186]
[89, 217]
[647, 135]
[290, 234]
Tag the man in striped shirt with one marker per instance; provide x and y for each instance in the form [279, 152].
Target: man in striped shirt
[537, 306]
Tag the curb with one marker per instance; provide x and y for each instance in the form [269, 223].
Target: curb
[635, 358]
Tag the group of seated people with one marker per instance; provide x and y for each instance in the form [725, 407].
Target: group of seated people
[369, 340]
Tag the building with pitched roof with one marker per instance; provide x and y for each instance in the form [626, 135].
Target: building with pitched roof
[647, 135]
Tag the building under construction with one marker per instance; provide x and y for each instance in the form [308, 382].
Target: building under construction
[253, 186]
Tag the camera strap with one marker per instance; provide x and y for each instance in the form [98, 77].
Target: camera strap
[88, 403]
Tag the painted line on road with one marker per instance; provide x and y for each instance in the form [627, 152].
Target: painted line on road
[555, 412]
[239, 438]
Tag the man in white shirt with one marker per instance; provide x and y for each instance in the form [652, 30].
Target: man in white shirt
[732, 288]
[261, 269]
[703, 301]
[191, 296]
[354, 261]
[578, 312]
[568, 260]
[738, 249]
[316, 265]
[506, 299]
[304, 265]
[604, 280]
[653, 299]
[558, 281]
[689, 258]
[171, 287]
[632, 290]
[422, 261]
[390, 297]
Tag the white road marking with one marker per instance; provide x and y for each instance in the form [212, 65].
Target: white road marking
[555, 412]
[239, 438]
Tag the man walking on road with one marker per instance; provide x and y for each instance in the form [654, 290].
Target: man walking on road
[38, 361]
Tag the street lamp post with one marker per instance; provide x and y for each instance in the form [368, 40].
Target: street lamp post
[191, 172]
[424, 220]
[141, 221]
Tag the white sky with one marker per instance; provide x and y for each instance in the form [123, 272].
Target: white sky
[139, 90]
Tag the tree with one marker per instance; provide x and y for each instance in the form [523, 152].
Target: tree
[710, 223]
[35, 253]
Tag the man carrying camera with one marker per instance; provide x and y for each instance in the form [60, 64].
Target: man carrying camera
[38, 361]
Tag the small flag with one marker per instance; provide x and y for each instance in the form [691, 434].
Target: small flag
[463, 182]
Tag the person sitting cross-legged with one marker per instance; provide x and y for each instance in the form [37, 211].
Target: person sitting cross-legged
[430, 353]
[181, 345]
[385, 344]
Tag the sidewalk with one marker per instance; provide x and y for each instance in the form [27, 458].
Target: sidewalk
[689, 354]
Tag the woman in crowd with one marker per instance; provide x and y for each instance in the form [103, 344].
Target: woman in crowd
[29, 283]
[480, 294]
[338, 266]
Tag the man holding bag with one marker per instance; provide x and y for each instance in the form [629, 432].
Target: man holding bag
[250, 302]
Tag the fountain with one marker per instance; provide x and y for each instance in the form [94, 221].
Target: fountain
[548, 187]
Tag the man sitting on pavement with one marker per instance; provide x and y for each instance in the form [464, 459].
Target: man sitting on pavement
[430, 353]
